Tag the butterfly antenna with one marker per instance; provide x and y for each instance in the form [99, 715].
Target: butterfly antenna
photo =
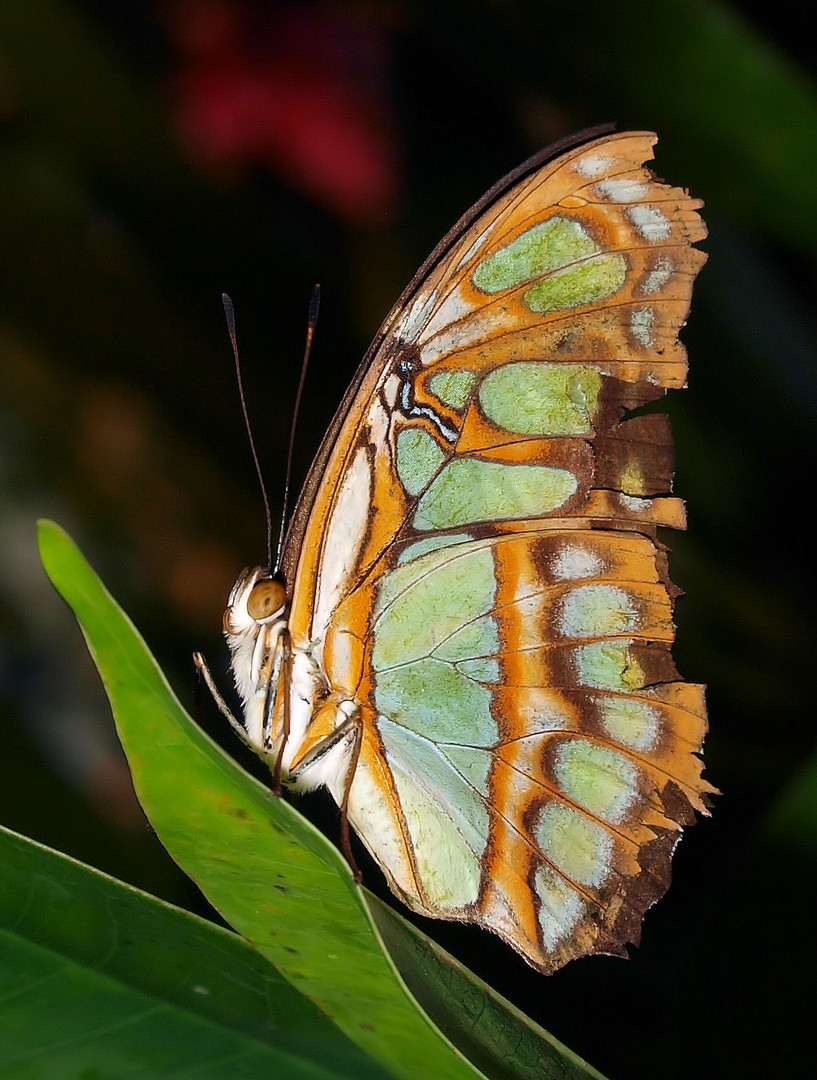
[229, 313]
[314, 305]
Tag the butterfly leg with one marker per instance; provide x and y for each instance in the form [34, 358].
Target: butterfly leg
[223, 707]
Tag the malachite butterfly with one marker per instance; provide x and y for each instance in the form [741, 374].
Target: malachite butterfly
[469, 639]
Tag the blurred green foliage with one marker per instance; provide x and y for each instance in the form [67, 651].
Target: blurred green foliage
[118, 412]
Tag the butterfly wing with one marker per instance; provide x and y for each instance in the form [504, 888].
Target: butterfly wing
[475, 561]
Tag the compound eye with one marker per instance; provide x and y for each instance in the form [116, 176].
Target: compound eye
[265, 599]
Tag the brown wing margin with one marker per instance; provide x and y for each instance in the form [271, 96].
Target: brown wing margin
[300, 515]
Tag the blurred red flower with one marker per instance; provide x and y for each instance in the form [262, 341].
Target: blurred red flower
[298, 88]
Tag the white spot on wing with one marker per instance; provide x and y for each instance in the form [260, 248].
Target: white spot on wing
[410, 322]
[631, 722]
[658, 276]
[344, 535]
[391, 388]
[379, 420]
[575, 562]
[453, 307]
[594, 610]
[560, 909]
[458, 336]
[539, 709]
[591, 165]
[635, 503]
[641, 320]
[526, 587]
[650, 222]
[621, 190]
[596, 777]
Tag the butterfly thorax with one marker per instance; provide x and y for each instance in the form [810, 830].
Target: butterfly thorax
[267, 667]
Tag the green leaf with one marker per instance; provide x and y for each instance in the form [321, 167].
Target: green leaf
[95, 975]
[283, 886]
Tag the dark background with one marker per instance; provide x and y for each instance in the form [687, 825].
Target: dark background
[153, 155]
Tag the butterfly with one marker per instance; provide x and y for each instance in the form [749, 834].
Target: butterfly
[468, 638]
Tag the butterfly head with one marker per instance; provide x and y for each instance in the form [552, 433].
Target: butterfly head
[253, 622]
[257, 599]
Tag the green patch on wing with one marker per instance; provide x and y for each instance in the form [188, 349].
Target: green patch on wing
[585, 283]
[468, 490]
[631, 722]
[447, 818]
[452, 387]
[597, 778]
[421, 604]
[429, 544]
[418, 458]
[430, 696]
[596, 611]
[578, 846]
[544, 247]
[609, 666]
[435, 621]
[541, 399]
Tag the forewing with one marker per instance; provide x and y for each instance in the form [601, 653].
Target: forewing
[478, 561]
